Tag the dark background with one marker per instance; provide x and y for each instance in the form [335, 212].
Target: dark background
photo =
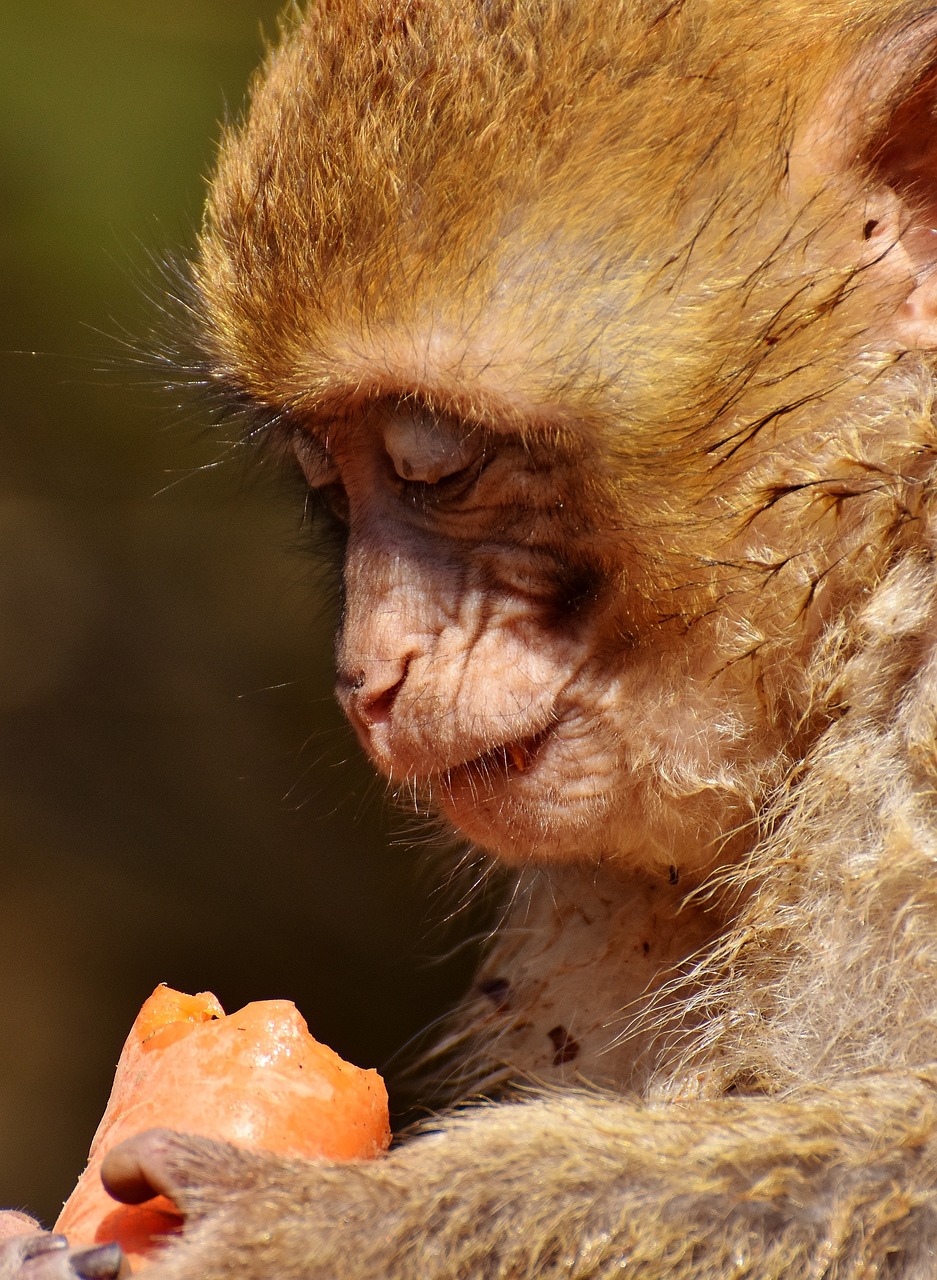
[179, 800]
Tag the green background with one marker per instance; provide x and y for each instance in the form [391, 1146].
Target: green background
[179, 800]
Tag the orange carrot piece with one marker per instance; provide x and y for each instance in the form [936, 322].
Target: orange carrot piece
[256, 1078]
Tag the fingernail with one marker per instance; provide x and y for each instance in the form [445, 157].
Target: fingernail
[102, 1263]
[38, 1245]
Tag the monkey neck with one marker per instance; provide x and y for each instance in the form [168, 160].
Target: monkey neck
[583, 982]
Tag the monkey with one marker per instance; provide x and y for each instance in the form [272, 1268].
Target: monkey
[603, 337]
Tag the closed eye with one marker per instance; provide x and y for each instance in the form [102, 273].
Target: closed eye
[448, 490]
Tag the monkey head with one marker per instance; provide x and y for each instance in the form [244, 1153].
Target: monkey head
[597, 406]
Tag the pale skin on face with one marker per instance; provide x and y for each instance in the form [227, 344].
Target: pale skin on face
[477, 659]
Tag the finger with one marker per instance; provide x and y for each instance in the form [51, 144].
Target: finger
[45, 1256]
[191, 1171]
[16, 1250]
[36, 1246]
[139, 1168]
[104, 1262]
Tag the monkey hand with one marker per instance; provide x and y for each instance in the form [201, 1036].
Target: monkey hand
[29, 1253]
[584, 1185]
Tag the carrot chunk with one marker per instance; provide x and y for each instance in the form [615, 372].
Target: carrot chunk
[256, 1078]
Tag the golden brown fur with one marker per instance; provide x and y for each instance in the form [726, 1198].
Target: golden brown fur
[676, 257]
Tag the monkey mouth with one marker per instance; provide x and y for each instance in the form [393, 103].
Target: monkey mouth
[507, 760]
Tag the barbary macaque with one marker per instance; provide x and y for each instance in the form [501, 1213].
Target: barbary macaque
[604, 333]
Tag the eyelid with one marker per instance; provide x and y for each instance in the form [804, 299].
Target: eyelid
[428, 450]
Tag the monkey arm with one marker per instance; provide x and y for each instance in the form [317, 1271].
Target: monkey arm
[576, 1187]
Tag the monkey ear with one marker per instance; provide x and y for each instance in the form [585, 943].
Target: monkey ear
[878, 123]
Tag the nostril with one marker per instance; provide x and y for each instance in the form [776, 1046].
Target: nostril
[365, 700]
[376, 709]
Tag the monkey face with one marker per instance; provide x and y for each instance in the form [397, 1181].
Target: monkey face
[505, 653]
[469, 619]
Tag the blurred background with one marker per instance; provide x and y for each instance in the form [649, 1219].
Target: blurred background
[179, 800]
